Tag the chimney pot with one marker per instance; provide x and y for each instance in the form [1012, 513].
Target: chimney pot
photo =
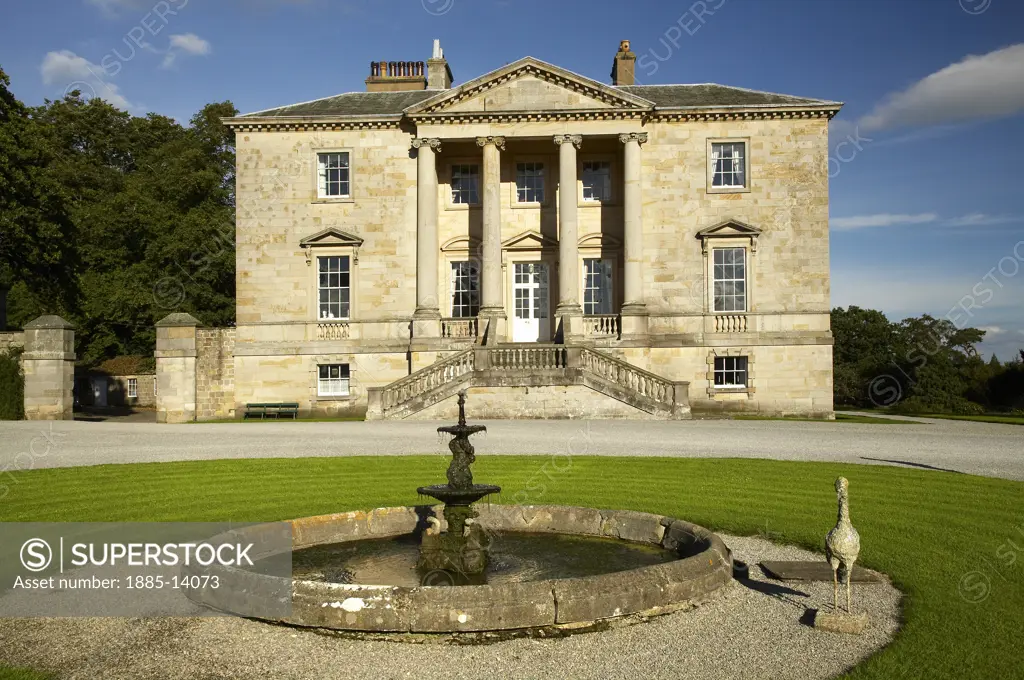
[624, 65]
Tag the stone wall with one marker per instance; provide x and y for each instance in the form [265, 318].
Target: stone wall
[215, 373]
[9, 339]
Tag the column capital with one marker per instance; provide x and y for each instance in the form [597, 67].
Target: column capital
[638, 137]
[575, 140]
[499, 142]
[432, 142]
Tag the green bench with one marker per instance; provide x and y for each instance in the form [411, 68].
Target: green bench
[264, 411]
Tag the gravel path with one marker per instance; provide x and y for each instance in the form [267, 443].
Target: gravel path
[751, 631]
[993, 450]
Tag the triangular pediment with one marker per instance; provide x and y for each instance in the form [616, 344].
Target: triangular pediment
[729, 228]
[530, 85]
[331, 237]
[529, 240]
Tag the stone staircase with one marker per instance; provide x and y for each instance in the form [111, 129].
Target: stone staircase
[526, 366]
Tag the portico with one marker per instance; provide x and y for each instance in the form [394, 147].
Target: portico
[530, 286]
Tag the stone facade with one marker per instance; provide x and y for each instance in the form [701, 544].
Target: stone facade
[399, 227]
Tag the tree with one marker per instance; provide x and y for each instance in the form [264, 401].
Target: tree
[37, 233]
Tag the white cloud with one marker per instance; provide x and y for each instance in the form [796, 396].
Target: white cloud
[879, 220]
[72, 72]
[983, 219]
[977, 87]
[187, 43]
[991, 330]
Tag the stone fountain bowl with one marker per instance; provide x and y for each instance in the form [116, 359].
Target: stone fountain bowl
[703, 567]
[454, 496]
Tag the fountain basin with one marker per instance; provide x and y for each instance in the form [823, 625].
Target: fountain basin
[450, 495]
[703, 567]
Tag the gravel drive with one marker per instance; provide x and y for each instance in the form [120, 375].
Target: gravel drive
[750, 631]
[989, 449]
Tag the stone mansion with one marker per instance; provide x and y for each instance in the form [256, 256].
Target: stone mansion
[559, 246]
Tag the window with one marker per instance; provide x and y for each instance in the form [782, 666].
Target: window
[333, 380]
[133, 388]
[730, 278]
[597, 286]
[728, 165]
[730, 372]
[465, 184]
[334, 286]
[597, 181]
[465, 289]
[530, 182]
[333, 175]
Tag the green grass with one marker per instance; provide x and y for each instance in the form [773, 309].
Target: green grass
[840, 418]
[23, 674]
[925, 529]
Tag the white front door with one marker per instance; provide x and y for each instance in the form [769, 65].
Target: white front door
[532, 321]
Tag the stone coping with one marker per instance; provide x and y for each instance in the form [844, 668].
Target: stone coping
[704, 566]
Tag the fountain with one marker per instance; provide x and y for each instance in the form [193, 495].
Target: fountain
[515, 568]
[462, 550]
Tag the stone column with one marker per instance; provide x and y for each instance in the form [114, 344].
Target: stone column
[492, 308]
[568, 311]
[176, 368]
[634, 310]
[49, 365]
[426, 320]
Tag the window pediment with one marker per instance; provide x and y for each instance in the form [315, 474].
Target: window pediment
[599, 241]
[461, 244]
[530, 240]
[729, 229]
[334, 238]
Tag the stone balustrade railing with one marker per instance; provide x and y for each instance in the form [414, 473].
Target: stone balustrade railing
[459, 328]
[426, 379]
[333, 330]
[505, 365]
[525, 358]
[629, 376]
[602, 326]
[730, 323]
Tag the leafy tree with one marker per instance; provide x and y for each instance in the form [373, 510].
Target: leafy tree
[37, 233]
[150, 205]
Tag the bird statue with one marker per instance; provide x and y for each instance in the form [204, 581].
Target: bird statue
[842, 545]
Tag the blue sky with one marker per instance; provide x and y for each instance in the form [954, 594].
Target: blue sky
[927, 194]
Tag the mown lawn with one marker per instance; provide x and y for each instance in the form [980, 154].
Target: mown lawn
[950, 541]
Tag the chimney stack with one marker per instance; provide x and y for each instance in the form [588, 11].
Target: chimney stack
[395, 76]
[439, 76]
[624, 66]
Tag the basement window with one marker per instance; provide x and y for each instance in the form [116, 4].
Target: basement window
[730, 372]
[333, 380]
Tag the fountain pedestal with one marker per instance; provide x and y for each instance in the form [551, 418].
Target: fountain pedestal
[462, 549]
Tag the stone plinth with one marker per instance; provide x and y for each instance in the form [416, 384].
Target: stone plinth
[49, 365]
[176, 368]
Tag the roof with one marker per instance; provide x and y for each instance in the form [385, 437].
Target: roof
[643, 97]
[352, 104]
[712, 95]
